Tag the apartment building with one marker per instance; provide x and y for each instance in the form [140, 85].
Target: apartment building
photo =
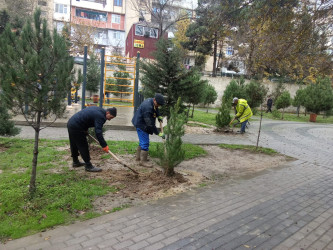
[106, 16]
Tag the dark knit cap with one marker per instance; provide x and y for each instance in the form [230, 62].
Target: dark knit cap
[159, 99]
[112, 111]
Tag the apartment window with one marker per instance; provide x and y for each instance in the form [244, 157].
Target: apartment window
[98, 16]
[230, 51]
[154, 33]
[61, 8]
[115, 18]
[118, 2]
[116, 35]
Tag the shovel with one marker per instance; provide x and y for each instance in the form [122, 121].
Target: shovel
[114, 156]
[161, 127]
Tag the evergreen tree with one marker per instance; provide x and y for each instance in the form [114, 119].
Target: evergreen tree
[319, 96]
[93, 74]
[197, 93]
[167, 75]
[121, 81]
[7, 127]
[283, 101]
[255, 93]
[298, 100]
[171, 151]
[210, 95]
[35, 76]
[223, 117]
[4, 19]
[234, 89]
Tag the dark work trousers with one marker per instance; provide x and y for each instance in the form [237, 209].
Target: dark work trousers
[78, 142]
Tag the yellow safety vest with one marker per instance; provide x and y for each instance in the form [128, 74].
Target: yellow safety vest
[244, 111]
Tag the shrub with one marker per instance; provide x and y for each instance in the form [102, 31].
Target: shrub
[6, 126]
[283, 101]
[223, 117]
[171, 151]
[276, 114]
[318, 97]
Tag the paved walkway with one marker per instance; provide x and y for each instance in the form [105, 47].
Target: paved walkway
[286, 208]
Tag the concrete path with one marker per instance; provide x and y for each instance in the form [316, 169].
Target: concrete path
[286, 208]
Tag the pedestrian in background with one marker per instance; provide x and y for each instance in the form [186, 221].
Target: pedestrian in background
[269, 104]
[78, 126]
[144, 121]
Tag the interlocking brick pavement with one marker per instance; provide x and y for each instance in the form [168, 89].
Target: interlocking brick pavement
[290, 207]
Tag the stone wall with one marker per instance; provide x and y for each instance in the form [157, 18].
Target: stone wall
[220, 84]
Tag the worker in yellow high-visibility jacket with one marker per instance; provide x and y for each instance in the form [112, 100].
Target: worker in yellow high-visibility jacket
[244, 113]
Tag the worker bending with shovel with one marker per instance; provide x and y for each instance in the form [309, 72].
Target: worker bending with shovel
[78, 126]
[144, 121]
[244, 113]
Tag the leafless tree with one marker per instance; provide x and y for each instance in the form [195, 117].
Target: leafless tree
[162, 13]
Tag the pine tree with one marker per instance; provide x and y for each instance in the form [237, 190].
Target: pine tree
[171, 152]
[7, 127]
[223, 117]
[210, 95]
[121, 81]
[167, 75]
[35, 74]
[283, 101]
[93, 74]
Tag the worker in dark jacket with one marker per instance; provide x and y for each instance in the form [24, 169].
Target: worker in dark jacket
[144, 122]
[78, 126]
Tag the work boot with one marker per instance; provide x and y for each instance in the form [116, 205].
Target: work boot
[90, 168]
[144, 160]
[77, 163]
[138, 153]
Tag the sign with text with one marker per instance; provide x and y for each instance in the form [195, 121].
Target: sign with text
[139, 44]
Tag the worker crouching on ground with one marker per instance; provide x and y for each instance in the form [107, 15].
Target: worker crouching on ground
[144, 121]
[244, 113]
[78, 126]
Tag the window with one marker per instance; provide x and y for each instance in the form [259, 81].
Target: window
[115, 18]
[145, 31]
[118, 2]
[230, 51]
[139, 30]
[154, 33]
[61, 8]
[116, 35]
[98, 16]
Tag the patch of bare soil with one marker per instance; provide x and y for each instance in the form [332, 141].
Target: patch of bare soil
[218, 165]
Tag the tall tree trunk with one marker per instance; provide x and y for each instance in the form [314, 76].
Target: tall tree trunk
[32, 187]
[192, 111]
[215, 54]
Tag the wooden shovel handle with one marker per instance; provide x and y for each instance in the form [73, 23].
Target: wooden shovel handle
[114, 156]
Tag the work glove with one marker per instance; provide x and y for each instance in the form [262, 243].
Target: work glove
[106, 149]
[161, 135]
[160, 118]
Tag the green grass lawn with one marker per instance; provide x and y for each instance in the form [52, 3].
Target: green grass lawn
[62, 195]
[250, 148]
[296, 118]
[209, 118]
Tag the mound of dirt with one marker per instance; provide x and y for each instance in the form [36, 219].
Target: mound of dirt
[218, 165]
